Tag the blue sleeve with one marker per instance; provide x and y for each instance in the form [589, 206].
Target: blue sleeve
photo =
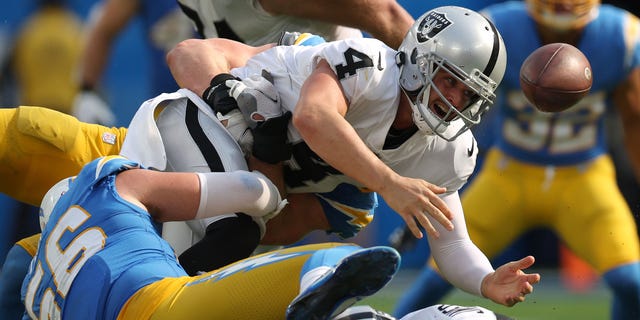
[13, 272]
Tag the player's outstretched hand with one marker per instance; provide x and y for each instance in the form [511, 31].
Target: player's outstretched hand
[509, 285]
[413, 200]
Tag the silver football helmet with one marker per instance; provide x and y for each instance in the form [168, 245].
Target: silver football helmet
[51, 198]
[467, 46]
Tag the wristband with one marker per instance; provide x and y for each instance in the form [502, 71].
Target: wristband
[217, 94]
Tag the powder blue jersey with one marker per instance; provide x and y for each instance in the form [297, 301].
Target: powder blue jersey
[82, 270]
[577, 134]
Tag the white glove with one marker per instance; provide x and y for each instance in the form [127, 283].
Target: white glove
[259, 102]
[89, 107]
[257, 97]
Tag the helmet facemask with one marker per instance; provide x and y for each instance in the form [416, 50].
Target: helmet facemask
[437, 118]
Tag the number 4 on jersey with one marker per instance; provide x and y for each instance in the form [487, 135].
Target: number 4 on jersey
[354, 60]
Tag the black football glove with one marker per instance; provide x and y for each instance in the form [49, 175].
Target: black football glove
[217, 94]
[270, 139]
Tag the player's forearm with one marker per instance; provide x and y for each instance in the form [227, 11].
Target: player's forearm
[94, 60]
[385, 20]
[194, 62]
[104, 27]
[319, 117]
[336, 142]
[458, 259]
[95, 55]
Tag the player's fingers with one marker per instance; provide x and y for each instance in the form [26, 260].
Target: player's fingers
[426, 224]
[513, 300]
[435, 188]
[524, 263]
[528, 288]
[533, 278]
[437, 202]
[411, 224]
[439, 211]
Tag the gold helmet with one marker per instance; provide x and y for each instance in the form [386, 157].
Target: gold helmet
[563, 14]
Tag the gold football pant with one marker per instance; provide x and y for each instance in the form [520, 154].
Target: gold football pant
[581, 204]
[260, 287]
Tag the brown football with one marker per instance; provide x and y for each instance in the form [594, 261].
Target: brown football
[555, 76]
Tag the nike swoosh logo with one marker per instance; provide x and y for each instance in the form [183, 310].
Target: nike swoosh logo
[473, 146]
[380, 67]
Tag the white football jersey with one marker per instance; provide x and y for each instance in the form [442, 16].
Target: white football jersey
[247, 21]
[369, 78]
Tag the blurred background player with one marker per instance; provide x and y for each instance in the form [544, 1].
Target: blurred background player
[42, 65]
[127, 271]
[263, 21]
[45, 57]
[164, 25]
[570, 183]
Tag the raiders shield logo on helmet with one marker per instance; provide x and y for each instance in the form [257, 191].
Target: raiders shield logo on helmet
[432, 24]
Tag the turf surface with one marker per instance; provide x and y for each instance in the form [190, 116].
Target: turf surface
[549, 301]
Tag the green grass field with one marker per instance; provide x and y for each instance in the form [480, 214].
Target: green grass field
[549, 301]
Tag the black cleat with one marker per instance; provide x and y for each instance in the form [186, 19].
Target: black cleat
[357, 276]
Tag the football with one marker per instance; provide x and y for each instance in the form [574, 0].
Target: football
[555, 76]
